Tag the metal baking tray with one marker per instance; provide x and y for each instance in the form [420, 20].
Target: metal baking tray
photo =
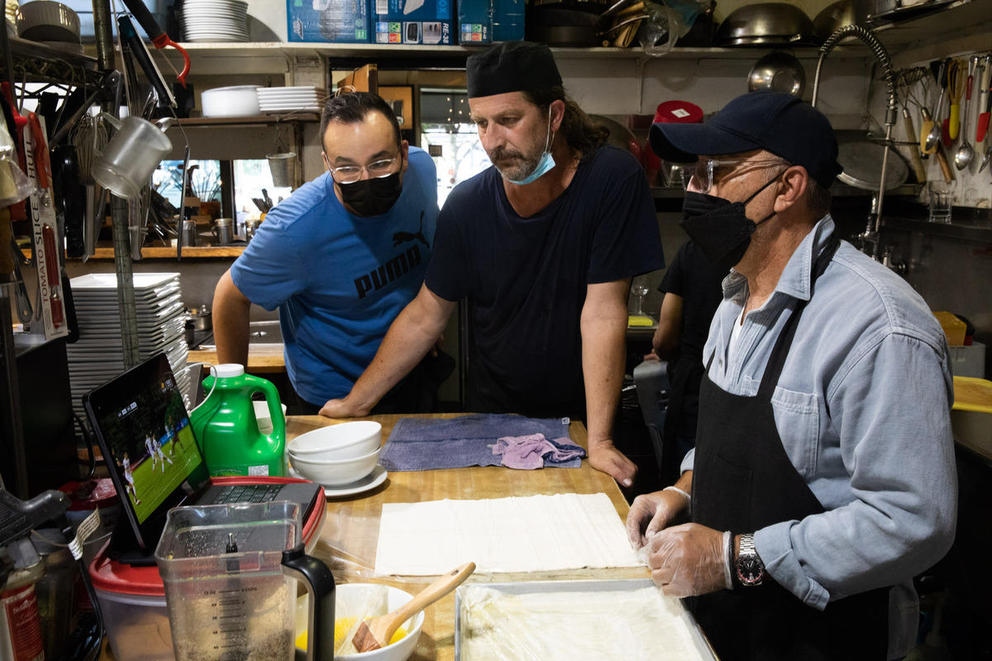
[528, 587]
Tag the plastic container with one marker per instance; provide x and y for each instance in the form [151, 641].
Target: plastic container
[134, 612]
[227, 431]
[971, 416]
[953, 327]
[968, 360]
[233, 566]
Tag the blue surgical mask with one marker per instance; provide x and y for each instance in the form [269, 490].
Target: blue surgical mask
[544, 165]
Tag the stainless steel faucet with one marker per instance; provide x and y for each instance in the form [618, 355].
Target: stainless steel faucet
[870, 236]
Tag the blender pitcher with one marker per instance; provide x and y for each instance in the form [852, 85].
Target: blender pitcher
[227, 572]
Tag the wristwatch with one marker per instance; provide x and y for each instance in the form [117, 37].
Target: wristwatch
[748, 568]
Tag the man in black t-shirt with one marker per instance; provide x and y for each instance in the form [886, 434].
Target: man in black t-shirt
[542, 246]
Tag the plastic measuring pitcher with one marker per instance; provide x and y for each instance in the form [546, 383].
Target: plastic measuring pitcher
[229, 573]
[226, 428]
[127, 162]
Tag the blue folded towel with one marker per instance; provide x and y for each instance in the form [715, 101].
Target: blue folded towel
[427, 444]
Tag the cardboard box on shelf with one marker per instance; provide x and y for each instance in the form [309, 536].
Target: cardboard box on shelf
[488, 21]
[328, 21]
[427, 22]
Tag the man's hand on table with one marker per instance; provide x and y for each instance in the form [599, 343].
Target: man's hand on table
[342, 408]
[603, 456]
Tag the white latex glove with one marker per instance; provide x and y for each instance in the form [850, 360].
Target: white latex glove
[652, 512]
[687, 560]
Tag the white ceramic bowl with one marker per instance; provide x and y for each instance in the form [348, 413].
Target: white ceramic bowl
[346, 440]
[336, 472]
[43, 20]
[237, 101]
[348, 599]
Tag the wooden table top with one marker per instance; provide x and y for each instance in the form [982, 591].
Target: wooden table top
[350, 532]
[262, 358]
[352, 525]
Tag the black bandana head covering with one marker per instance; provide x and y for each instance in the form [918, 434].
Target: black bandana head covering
[511, 66]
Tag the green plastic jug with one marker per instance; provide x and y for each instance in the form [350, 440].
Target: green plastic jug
[226, 429]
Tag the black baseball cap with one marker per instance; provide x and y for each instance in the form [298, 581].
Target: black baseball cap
[511, 66]
[780, 123]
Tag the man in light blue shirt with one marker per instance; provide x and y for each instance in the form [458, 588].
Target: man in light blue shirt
[823, 477]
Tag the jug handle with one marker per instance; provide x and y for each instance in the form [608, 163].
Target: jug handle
[275, 406]
[320, 586]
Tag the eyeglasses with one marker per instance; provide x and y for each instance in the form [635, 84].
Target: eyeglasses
[349, 174]
[701, 176]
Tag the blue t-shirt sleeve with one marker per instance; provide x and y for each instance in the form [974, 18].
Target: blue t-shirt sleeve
[273, 267]
[626, 240]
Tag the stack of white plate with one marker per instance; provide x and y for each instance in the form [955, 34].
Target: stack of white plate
[215, 20]
[304, 98]
[97, 356]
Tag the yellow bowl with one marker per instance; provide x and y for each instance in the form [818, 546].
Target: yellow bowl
[349, 597]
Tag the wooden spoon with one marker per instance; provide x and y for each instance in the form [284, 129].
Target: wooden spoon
[375, 632]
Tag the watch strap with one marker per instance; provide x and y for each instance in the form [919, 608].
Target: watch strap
[748, 570]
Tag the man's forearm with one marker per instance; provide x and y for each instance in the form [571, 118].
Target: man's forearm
[603, 355]
[408, 340]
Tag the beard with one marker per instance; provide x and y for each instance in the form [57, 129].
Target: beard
[513, 164]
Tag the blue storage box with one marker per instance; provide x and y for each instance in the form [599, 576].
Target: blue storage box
[328, 21]
[488, 21]
[413, 21]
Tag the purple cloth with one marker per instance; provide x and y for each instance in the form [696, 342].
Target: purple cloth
[529, 452]
[428, 444]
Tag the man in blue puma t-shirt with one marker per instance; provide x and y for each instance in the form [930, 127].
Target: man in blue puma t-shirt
[341, 257]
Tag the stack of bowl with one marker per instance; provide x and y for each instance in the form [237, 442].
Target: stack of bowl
[51, 23]
[337, 454]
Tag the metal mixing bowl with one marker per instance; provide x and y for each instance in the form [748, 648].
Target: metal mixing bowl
[779, 72]
[765, 24]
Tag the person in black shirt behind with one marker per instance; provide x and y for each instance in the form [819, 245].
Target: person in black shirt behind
[542, 246]
[692, 293]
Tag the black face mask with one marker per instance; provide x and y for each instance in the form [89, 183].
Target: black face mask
[720, 227]
[372, 197]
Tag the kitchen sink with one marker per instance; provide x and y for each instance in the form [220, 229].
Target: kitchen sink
[264, 332]
[259, 332]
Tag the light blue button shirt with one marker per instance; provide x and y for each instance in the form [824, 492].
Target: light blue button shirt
[863, 410]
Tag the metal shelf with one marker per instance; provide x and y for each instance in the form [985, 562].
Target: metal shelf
[249, 121]
[37, 62]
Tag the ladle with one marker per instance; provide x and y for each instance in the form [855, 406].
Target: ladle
[935, 132]
[965, 153]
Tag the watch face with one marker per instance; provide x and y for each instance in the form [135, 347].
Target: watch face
[749, 570]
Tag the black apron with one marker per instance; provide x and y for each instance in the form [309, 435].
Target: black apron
[743, 481]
